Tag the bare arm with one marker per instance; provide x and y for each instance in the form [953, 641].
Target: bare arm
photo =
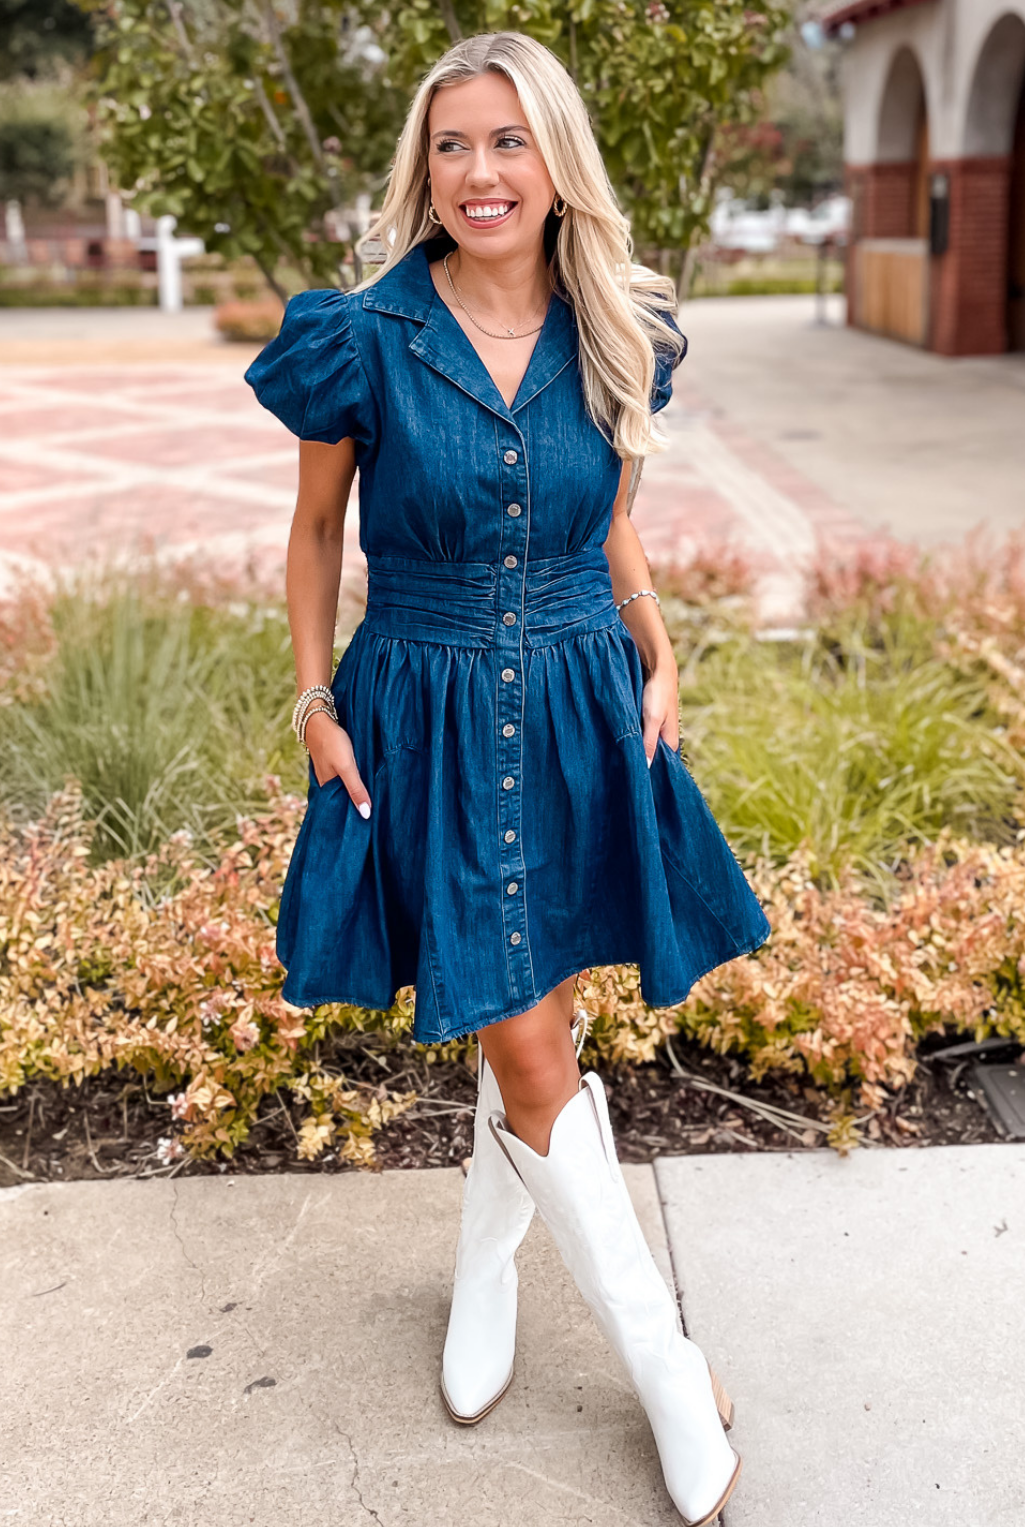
[629, 568]
[312, 577]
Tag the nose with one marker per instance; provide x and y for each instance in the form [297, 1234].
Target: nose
[480, 171]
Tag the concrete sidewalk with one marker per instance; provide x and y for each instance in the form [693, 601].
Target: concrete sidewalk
[266, 1350]
[844, 423]
[102, 336]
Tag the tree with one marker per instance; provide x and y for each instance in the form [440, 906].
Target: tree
[795, 148]
[249, 129]
[658, 78]
[36, 161]
[252, 121]
[36, 35]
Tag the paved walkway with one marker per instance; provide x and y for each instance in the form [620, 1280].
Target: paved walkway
[122, 429]
[901, 441]
[265, 1350]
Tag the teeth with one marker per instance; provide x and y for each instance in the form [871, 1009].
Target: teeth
[489, 209]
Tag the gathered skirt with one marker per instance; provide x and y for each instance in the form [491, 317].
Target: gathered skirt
[517, 834]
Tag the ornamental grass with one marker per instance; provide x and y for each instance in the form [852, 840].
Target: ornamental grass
[867, 770]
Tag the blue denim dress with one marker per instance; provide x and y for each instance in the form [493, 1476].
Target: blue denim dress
[492, 691]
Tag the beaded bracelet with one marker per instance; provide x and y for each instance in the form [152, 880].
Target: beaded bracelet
[327, 706]
[639, 592]
[315, 710]
[315, 691]
[317, 694]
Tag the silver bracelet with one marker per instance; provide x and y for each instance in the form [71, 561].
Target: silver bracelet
[321, 690]
[316, 694]
[320, 709]
[318, 703]
[639, 592]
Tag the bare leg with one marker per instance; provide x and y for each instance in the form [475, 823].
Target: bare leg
[535, 1064]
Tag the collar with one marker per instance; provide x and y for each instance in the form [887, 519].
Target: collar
[408, 291]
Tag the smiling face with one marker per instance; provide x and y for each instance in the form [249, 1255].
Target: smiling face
[489, 184]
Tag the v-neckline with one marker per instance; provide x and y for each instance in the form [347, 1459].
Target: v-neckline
[511, 407]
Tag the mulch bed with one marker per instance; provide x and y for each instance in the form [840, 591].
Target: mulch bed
[109, 1125]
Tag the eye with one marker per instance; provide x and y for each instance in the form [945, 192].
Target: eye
[511, 138]
[447, 143]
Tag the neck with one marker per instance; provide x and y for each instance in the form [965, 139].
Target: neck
[516, 283]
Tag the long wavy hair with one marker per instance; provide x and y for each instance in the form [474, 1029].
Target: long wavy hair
[589, 250]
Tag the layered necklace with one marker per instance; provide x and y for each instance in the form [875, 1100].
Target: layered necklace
[509, 333]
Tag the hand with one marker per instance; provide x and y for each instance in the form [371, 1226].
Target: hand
[331, 754]
[660, 707]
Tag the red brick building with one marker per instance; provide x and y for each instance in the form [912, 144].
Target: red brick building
[934, 142]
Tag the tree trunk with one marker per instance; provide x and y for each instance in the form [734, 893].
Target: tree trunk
[448, 16]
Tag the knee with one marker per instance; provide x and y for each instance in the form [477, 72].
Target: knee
[534, 1074]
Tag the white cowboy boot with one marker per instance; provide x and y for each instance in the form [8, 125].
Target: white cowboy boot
[580, 1191]
[477, 1364]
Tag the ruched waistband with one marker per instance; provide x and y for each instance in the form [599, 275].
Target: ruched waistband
[469, 604]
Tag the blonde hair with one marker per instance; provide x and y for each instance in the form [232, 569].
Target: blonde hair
[615, 301]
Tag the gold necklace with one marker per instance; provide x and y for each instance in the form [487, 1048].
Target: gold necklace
[509, 334]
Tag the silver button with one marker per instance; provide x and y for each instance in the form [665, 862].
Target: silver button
[508, 729]
[510, 835]
[512, 887]
[509, 618]
[514, 938]
[510, 457]
[510, 561]
[508, 674]
[508, 782]
[514, 510]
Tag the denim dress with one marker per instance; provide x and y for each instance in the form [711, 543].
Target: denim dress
[492, 692]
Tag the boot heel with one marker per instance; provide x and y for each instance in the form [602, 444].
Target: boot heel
[723, 1403]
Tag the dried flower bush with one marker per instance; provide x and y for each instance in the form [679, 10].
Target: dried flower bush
[166, 967]
[253, 322]
[844, 989]
[27, 641]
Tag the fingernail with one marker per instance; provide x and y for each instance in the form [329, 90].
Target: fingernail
[364, 809]
[649, 763]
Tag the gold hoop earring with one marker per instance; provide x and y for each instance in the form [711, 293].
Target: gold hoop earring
[559, 211]
[431, 214]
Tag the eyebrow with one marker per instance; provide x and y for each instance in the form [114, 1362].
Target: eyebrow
[496, 132]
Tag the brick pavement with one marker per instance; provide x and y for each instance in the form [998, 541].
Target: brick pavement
[108, 460]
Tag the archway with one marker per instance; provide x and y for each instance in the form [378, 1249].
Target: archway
[888, 269]
[1016, 233]
[995, 135]
[903, 146]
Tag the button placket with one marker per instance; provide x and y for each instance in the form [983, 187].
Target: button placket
[509, 641]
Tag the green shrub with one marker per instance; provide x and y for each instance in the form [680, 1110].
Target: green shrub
[53, 296]
[767, 286]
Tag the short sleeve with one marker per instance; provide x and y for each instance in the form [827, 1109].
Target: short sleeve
[665, 364]
[311, 376]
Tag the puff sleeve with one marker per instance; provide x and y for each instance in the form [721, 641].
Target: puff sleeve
[665, 364]
[311, 376]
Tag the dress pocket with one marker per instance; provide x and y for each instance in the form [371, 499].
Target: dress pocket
[330, 786]
[317, 790]
[622, 686]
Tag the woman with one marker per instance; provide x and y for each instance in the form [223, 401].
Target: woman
[497, 800]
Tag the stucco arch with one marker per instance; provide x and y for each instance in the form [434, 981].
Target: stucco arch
[995, 90]
[902, 108]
